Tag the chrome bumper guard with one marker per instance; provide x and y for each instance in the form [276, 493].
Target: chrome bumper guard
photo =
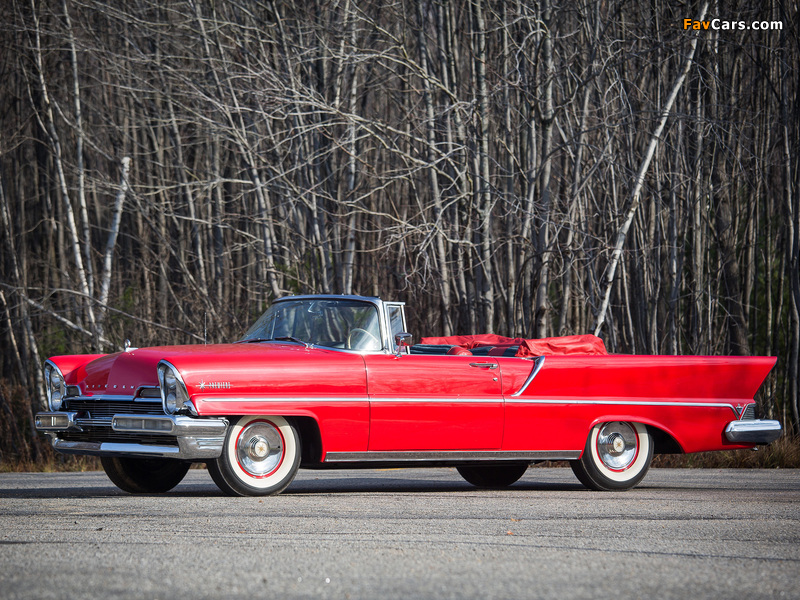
[197, 439]
[753, 431]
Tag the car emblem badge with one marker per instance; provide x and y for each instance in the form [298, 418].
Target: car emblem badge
[214, 385]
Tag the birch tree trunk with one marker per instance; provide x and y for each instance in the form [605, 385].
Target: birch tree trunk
[484, 175]
[639, 180]
[69, 214]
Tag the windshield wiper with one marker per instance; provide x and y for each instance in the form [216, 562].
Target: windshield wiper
[289, 338]
[283, 338]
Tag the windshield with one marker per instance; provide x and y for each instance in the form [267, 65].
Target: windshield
[345, 324]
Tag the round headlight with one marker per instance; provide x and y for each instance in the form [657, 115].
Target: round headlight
[173, 391]
[169, 379]
[171, 402]
[56, 387]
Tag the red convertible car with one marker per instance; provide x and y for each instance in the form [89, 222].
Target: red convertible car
[334, 382]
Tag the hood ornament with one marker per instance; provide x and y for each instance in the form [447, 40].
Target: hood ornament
[127, 346]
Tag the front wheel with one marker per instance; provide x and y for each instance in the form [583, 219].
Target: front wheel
[493, 476]
[144, 475]
[260, 457]
[616, 457]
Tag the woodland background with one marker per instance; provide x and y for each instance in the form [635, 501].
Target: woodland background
[528, 168]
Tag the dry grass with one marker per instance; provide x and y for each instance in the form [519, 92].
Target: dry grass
[52, 463]
[783, 454]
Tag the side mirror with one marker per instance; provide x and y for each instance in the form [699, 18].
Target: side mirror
[402, 340]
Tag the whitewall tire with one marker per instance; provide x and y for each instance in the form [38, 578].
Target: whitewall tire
[260, 457]
[616, 457]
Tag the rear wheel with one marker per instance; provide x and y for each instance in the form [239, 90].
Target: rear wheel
[497, 475]
[616, 457]
[144, 475]
[260, 457]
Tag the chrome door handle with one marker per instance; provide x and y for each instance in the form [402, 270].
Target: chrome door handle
[486, 365]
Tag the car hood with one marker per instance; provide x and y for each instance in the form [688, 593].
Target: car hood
[123, 373]
[204, 368]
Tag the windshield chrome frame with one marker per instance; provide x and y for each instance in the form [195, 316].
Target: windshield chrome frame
[383, 318]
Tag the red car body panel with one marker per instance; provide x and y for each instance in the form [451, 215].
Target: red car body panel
[282, 379]
[689, 398]
[380, 402]
[434, 403]
[74, 366]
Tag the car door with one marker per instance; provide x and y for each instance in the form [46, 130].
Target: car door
[436, 403]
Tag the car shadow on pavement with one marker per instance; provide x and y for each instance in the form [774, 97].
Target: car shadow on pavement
[411, 486]
[321, 485]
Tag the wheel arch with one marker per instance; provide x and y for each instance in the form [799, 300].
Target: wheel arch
[310, 439]
[664, 440]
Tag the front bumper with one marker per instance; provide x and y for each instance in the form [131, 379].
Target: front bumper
[753, 431]
[185, 438]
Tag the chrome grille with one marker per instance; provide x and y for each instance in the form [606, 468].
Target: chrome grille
[98, 408]
[749, 412]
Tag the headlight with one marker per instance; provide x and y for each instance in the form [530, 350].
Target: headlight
[174, 396]
[56, 388]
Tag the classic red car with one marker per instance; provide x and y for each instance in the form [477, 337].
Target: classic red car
[333, 382]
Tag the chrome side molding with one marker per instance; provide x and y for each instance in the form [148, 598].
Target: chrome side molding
[450, 455]
[537, 366]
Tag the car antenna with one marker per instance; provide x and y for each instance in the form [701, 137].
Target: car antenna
[205, 327]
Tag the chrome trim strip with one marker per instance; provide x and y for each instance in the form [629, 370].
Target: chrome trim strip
[508, 400]
[444, 455]
[198, 398]
[363, 399]
[537, 366]
[109, 398]
[624, 402]
[754, 431]
[372, 299]
[99, 422]
[489, 400]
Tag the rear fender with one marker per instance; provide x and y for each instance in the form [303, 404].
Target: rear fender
[664, 439]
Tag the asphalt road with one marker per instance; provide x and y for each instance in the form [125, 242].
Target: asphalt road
[408, 533]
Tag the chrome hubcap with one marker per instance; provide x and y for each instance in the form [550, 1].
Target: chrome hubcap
[259, 448]
[617, 445]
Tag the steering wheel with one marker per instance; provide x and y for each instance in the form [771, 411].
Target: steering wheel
[354, 344]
